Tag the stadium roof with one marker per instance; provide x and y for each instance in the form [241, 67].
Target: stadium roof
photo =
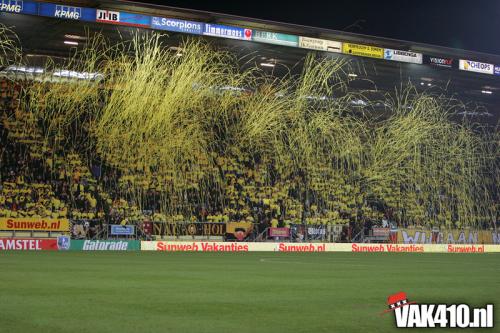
[42, 34]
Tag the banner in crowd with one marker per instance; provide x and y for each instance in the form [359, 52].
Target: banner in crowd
[466, 236]
[381, 232]
[279, 232]
[35, 224]
[189, 229]
[231, 230]
[316, 232]
[122, 230]
[238, 230]
[28, 244]
[81, 229]
[202, 246]
[65, 243]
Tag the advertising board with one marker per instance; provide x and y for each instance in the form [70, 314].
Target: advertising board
[167, 246]
[279, 232]
[175, 25]
[234, 246]
[275, 38]
[188, 229]
[475, 66]
[316, 232]
[363, 50]
[403, 56]
[381, 232]
[19, 7]
[122, 230]
[440, 62]
[467, 236]
[320, 44]
[103, 245]
[225, 31]
[28, 244]
[35, 224]
[67, 12]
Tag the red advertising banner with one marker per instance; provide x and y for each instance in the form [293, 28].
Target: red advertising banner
[28, 244]
[381, 232]
[279, 232]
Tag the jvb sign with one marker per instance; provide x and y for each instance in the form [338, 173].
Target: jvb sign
[107, 16]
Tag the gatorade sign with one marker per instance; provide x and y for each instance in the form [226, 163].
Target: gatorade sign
[476, 66]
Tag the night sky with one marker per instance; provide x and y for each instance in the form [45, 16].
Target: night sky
[471, 25]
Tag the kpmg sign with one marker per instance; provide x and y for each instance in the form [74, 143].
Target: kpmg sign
[168, 24]
[122, 230]
[227, 31]
[67, 12]
[18, 6]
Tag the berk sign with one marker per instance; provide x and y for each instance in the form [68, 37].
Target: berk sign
[476, 66]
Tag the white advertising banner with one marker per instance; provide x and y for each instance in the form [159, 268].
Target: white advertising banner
[320, 44]
[476, 66]
[173, 246]
[403, 56]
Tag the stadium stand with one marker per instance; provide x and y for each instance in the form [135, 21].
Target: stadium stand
[39, 182]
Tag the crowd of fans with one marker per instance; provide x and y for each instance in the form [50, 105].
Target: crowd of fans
[40, 181]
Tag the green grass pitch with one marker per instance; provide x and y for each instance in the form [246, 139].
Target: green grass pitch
[232, 292]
